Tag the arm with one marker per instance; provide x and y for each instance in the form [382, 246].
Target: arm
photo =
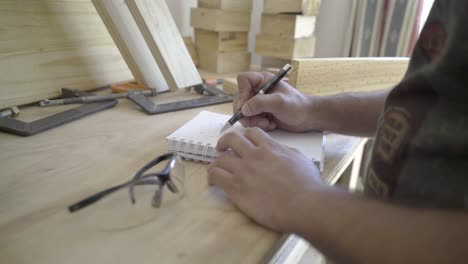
[353, 229]
[279, 188]
[349, 113]
[288, 109]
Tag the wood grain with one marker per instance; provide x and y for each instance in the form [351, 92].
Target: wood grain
[49, 44]
[284, 48]
[219, 20]
[221, 41]
[289, 26]
[42, 175]
[227, 5]
[128, 38]
[228, 62]
[165, 42]
[335, 75]
[305, 7]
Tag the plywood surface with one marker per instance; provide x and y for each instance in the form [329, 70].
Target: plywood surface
[46, 45]
[43, 174]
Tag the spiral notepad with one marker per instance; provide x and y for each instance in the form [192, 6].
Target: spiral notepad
[197, 139]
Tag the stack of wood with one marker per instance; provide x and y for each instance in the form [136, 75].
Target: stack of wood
[221, 34]
[287, 31]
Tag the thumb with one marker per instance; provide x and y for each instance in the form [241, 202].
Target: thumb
[265, 103]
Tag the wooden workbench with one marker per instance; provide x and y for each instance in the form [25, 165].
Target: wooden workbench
[41, 175]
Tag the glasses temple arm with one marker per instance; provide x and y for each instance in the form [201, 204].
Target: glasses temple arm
[94, 198]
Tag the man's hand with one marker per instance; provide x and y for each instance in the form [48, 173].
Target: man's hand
[284, 107]
[266, 180]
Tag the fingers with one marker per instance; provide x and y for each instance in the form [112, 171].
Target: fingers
[220, 171]
[242, 144]
[249, 83]
[258, 137]
[266, 103]
[236, 142]
[260, 121]
[219, 176]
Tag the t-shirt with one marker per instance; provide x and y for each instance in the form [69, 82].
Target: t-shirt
[420, 155]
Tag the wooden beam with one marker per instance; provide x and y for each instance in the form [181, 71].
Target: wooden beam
[219, 20]
[336, 75]
[155, 22]
[305, 7]
[227, 5]
[128, 38]
[228, 62]
[289, 26]
[284, 48]
[221, 41]
[46, 45]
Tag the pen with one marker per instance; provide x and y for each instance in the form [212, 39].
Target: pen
[265, 88]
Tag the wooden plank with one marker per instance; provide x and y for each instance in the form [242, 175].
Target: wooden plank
[332, 75]
[128, 38]
[221, 41]
[227, 62]
[284, 48]
[219, 20]
[46, 45]
[165, 42]
[227, 5]
[289, 26]
[305, 7]
[191, 49]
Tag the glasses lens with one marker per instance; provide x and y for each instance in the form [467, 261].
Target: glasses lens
[116, 210]
[175, 188]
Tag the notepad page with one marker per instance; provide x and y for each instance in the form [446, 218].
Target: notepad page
[205, 127]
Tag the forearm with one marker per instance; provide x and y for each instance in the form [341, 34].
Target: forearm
[352, 229]
[349, 113]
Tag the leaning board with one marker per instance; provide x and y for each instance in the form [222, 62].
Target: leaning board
[165, 42]
[49, 44]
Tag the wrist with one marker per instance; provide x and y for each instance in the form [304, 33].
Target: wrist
[316, 106]
[309, 208]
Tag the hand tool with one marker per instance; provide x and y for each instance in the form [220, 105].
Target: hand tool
[124, 87]
[21, 128]
[216, 96]
[10, 112]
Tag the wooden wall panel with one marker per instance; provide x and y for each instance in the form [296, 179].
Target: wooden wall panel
[49, 44]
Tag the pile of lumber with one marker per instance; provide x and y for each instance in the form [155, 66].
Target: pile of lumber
[287, 31]
[221, 34]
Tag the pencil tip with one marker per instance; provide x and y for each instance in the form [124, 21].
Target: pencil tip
[225, 127]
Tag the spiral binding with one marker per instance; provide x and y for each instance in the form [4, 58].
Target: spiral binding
[188, 150]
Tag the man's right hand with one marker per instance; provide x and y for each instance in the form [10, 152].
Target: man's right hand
[283, 107]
